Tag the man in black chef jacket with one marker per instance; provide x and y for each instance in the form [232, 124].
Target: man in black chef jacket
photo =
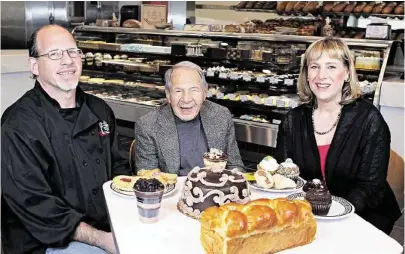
[59, 145]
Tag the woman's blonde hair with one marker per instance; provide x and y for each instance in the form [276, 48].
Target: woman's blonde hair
[334, 48]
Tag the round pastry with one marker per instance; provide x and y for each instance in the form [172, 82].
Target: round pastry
[204, 188]
[123, 183]
[289, 169]
[268, 164]
[107, 57]
[96, 81]
[89, 58]
[84, 78]
[320, 200]
[98, 57]
[215, 159]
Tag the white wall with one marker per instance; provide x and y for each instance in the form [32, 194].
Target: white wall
[392, 109]
[15, 76]
[13, 86]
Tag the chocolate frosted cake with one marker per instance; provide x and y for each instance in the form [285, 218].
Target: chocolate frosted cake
[204, 188]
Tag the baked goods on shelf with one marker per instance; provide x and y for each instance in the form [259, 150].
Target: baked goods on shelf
[368, 60]
[254, 118]
[131, 23]
[359, 7]
[204, 188]
[260, 226]
[350, 7]
[369, 7]
[399, 10]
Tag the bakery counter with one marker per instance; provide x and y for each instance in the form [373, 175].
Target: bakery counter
[247, 131]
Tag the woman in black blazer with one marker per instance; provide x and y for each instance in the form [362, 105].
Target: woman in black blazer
[338, 137]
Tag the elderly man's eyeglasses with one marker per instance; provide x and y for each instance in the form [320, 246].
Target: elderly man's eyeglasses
[58, 53]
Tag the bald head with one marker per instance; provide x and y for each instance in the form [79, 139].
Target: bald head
[40, 35]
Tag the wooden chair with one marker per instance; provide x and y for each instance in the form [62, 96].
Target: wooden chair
[395, 175]
[132, 157]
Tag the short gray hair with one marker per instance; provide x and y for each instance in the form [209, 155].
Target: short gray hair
[185, 64]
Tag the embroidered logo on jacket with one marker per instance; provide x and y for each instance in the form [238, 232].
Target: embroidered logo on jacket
[104, 128]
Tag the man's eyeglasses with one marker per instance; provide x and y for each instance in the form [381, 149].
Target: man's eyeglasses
[58, 53]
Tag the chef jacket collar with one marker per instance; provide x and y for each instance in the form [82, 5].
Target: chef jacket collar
[79, 96]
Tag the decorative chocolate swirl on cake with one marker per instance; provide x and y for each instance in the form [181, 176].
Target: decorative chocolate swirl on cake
[204, 188]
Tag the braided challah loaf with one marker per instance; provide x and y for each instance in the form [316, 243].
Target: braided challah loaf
[258, 227]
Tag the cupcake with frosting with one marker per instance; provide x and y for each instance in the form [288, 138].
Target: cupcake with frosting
[320, 199]
[289, 169]
[215, 159]
[89, 58]
[268, 164]
[98, 57]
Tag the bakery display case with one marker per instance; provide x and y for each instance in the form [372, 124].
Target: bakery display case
[254, 75]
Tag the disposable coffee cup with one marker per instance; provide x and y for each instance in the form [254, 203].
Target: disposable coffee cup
[148, 205]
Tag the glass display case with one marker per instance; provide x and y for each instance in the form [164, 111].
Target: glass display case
[254, 75]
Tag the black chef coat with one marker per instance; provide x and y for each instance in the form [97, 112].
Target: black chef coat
[52, 171]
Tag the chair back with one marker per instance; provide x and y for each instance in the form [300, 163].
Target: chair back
[132, 156]
[395, 175]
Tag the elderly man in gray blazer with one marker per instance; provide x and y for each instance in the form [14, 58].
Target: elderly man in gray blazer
[175, 136]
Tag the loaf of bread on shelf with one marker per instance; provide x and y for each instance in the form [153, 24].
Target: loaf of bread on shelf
[359, 7]
[131, 23]
[399, 9]
[340, 7]
[389, 8]
[310, 7]
[368, 8]
[299, 6]
[281, 6]
[289, 8]
[259, 5]
[260, 226]
[377, 9]
[328, 6]
[251, 4]
[241, 4]
[350, 7]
